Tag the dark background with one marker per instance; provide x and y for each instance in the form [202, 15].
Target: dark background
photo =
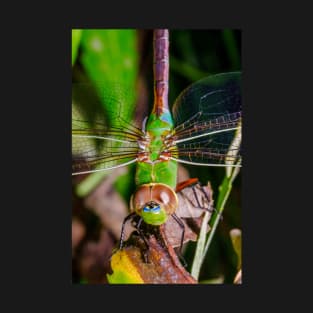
[277, 79]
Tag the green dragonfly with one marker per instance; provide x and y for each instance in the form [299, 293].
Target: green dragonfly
[200, 130]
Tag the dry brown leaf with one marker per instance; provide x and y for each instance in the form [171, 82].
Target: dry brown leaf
[189, 213]
[95, 258]
[105, 202]
[163, 266]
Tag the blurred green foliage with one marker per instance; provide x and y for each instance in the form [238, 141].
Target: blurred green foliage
[108, 60]
[112, 58]
[76, 35]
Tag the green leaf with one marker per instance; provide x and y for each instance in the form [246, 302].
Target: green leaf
[110, 61]
[124, 271]
[196, 265]
[76, 35]
[111, 57]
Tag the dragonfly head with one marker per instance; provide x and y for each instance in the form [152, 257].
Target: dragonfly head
[154, 202]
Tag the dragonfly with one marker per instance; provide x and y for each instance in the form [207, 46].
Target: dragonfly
[199, 130]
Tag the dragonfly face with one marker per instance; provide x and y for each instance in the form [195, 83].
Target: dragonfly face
[154, 202]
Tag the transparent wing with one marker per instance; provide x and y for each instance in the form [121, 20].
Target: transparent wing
[102, 135]
[208, 117]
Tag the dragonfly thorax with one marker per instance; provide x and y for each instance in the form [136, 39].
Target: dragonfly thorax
[154, 202]
[156, 148]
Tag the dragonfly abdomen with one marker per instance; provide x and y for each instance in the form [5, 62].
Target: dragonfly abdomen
[161, 69]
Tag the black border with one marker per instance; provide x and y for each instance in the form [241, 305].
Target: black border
[271, 109]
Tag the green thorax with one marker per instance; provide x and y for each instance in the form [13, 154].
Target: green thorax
[157, 128]
[156, 170]
[161, 122]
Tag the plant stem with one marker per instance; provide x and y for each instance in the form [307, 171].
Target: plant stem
[202, 245]
[196, 265]
[225, 190]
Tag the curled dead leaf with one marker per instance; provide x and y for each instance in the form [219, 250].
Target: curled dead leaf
[192, 200]
[162, 265]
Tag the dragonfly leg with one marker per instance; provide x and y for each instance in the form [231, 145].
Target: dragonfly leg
[211, 209]
[142, 236]
[128, 217]
[197, 199]
[182, 226]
